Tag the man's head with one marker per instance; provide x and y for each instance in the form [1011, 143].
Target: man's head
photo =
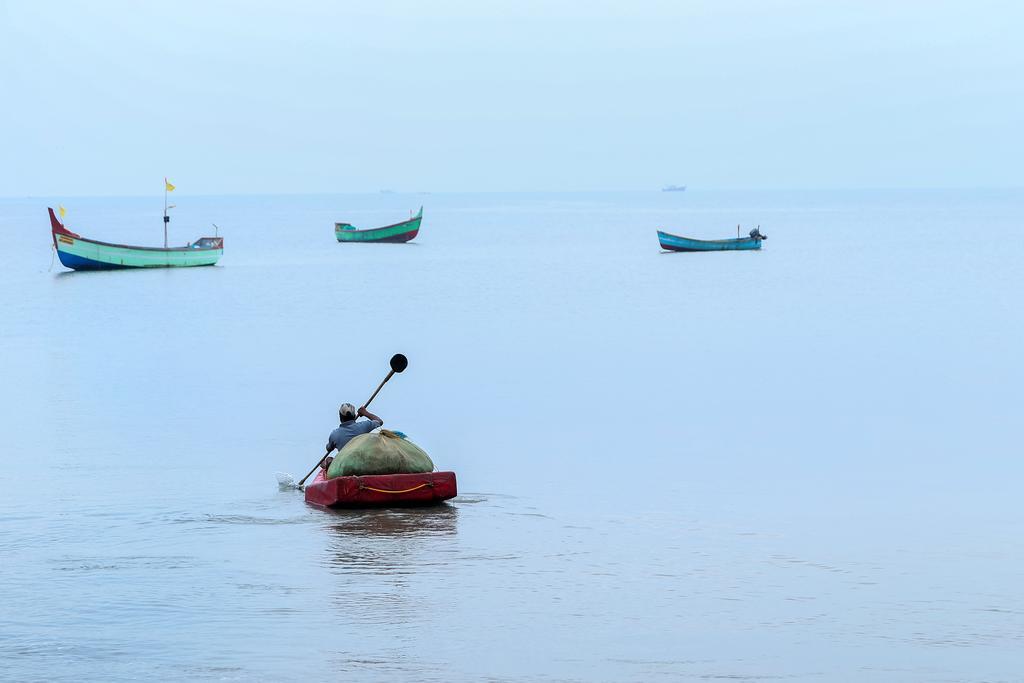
[347, 412]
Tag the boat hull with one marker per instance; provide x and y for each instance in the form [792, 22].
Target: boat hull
[393, 234]
[83, 254]
[79, 253]
[671, 242]
[381, 490]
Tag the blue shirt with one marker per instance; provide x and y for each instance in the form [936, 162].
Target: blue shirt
[346, 430]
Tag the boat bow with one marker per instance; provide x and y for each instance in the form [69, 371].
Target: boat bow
[57, 228]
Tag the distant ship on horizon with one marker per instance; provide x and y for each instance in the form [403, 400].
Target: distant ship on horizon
[674, 188]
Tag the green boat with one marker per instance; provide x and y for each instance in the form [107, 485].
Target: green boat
[399, 232]
[78, 253]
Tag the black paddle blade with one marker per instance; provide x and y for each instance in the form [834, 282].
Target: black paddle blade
[399, 362]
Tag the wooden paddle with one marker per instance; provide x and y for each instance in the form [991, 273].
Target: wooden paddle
[398, 364]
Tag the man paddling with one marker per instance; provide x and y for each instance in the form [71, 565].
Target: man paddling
[350, 427]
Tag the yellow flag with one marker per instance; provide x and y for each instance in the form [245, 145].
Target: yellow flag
[170, 188]
[63, 211]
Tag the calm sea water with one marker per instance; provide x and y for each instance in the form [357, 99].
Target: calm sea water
[802, 463]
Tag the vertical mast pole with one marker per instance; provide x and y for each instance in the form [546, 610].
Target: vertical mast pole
[166, 218]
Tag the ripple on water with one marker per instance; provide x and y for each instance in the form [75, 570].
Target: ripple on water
[253, 520]
[119, 563]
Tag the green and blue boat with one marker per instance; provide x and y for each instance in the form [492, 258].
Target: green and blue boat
[670, 242]
[397, 233]
[79, 253]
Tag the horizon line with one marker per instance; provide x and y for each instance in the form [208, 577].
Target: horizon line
[921, 188]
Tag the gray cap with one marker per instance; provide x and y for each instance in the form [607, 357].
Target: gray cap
[347, 411]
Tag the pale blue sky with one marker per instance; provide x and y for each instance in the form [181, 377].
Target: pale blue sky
[106, 98]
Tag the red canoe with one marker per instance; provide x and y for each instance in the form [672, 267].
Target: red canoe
[381, 490]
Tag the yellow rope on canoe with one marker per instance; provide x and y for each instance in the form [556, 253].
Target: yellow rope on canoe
[414, 488]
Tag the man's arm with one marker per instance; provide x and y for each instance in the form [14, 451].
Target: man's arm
[363, 412]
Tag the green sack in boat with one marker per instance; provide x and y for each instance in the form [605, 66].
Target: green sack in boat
[384, 452]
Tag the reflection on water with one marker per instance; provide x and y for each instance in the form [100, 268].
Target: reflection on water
[436, 520]
[388, 541]
[381, 558]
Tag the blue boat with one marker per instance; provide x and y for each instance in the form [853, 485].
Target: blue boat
[670, 242]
